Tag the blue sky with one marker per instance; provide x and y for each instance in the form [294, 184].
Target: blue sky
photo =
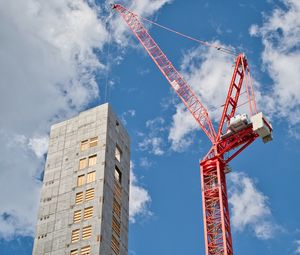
[61, 57]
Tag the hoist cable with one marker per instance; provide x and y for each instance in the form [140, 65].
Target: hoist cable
[217, 47]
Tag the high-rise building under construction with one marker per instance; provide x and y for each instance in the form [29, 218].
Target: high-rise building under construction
[85, 195]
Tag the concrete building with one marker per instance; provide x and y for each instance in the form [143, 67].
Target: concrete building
[85, 195]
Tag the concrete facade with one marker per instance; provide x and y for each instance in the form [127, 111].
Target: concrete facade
[85, 195]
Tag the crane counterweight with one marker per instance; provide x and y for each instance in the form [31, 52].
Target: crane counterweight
[262, 127]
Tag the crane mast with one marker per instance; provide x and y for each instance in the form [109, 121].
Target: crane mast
[235, 133]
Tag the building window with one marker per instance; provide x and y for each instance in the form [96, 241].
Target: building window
[118, 191]
[80, 180]
[85, 250]
[92, 160]
[115, 245]
[84, 145]
[88, 213]
[93, 141]
[86, 232]
[118, 174]
[75, 236]
[79, 198]
[117, 208]
[82, 163]
[116, 226]
[89, 194]
[77, 216]
[74, 252]
[91, 177]
[118, 153]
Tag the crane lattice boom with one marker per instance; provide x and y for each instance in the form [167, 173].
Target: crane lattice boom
[176, 81]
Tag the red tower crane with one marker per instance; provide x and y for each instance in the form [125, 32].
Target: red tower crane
[234, 134]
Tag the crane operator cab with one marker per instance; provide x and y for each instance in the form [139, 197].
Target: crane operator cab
[259, 125]
[239, 122]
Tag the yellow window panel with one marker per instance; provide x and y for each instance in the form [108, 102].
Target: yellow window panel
[94, 141]
[116, 226]
[117, 208]
[85, 250]
[86, 232]
[118, 175]
[89, 194]
[82, 163]
[118, 191]
[80, 180]
[79, 198]
[77, 216]
[84, 145]
[74, 252]
[88, 213]
[118, 153]
[91, 177]
[92, 160]
[115, 245]
[75, 236]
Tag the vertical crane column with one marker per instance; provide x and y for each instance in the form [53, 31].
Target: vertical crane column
[215, 208]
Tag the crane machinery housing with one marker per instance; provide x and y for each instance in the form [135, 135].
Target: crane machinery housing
[235, 132]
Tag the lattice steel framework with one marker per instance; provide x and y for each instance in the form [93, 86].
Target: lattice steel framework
[214, 165]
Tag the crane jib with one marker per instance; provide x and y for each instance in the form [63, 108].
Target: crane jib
[176, 81]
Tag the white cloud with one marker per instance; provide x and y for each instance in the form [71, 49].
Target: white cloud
[297, 251]
[19, 172]
[144, 8]
[156, 124]
[182, 124]
[39, 145]
[47, 58]
[153, 141]
[208, 73]
[139, 198]
[47, 73]
[249, 207]
[145, 162]
[280, 34]
[131, 112]
[152, 144]
[147, 7]
[128, 114]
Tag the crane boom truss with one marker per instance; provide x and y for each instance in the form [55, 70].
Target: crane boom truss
[176, 81]
[241, 72]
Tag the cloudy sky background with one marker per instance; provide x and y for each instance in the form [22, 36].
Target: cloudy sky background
[60, 57]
